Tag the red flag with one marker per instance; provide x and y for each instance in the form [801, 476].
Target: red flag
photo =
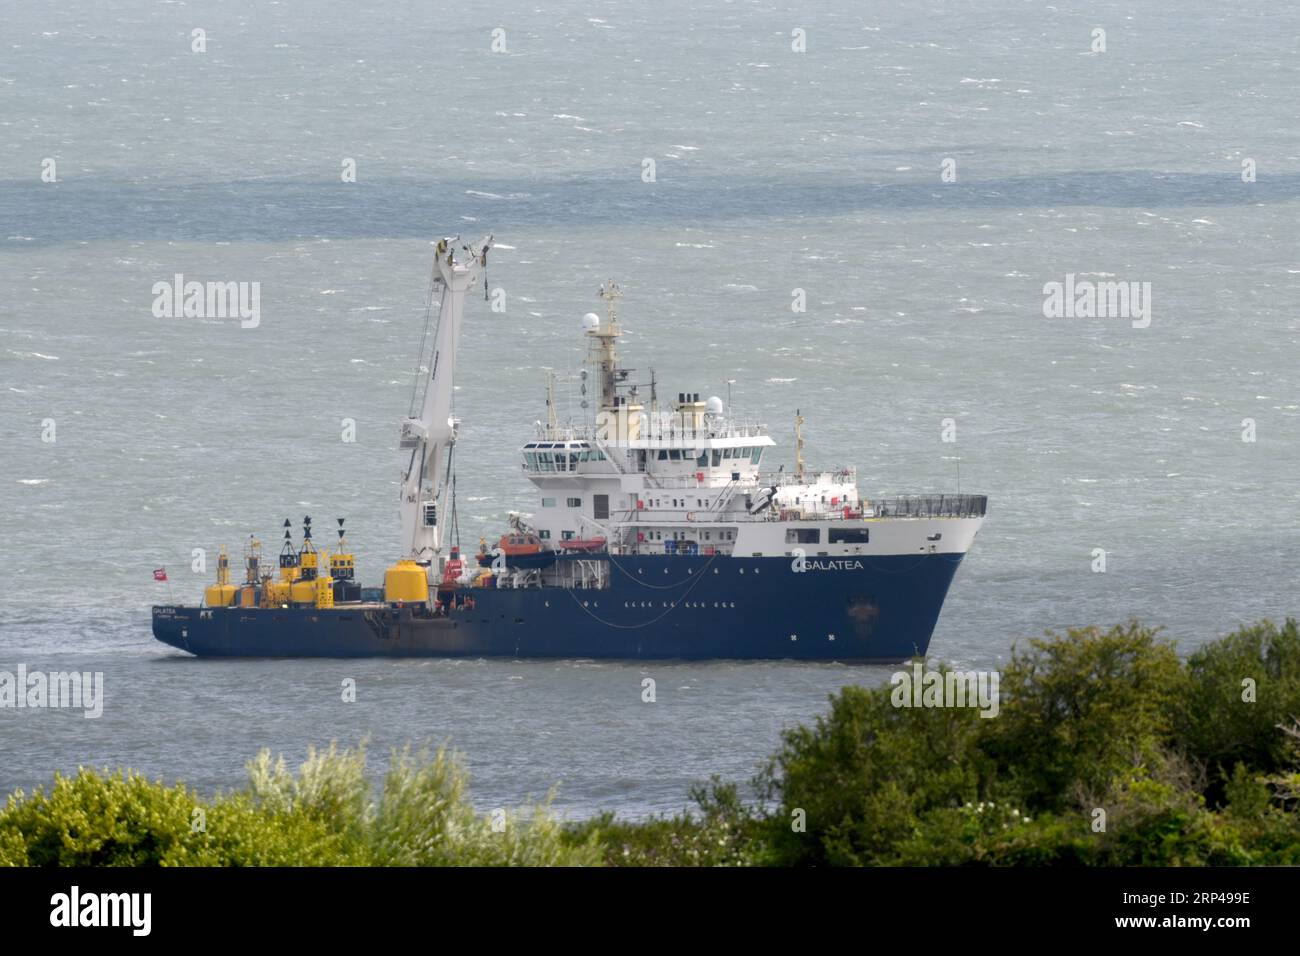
[160, 574]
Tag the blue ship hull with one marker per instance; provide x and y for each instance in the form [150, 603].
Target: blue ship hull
[861, 609]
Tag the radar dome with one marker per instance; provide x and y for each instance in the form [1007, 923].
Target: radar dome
[591, 321]
[714, 405]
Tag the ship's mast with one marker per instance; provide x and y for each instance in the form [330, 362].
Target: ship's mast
[604, 338]
[798, 445]
[552, 420]
[426, 441]
[618, 417]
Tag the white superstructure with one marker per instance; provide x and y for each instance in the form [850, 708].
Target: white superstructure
[683, 477]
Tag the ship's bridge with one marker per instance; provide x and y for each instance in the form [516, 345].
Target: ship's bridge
[691, 439]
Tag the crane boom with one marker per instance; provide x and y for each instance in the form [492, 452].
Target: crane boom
[426, 441]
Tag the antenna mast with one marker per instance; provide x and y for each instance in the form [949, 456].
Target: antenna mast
[798, 445]
[551, 419]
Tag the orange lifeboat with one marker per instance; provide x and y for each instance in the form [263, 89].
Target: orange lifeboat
[514, 544]
[584, 544]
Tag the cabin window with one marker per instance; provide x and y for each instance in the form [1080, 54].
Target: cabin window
[849, 535]
[600, 506]
[548, 502]
[803, 535]
[574, 502]
[544, 535]
[566, 535]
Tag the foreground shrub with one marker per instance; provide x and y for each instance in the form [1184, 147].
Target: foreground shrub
[853, 785]
[1080, 709]
[723, 833]
[1223, 720]
[325, 815]
[93, 819]
[1107, 750]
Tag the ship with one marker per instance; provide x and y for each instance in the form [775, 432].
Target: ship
[660, 531]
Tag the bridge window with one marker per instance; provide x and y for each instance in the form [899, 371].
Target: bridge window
[703, 460]
[756, 455]
[849, 535]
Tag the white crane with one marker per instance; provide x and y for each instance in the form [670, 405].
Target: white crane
[426, 441]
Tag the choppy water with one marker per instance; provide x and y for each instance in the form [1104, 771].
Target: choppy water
[775, 171]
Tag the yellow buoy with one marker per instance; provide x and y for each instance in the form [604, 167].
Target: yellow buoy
[406, 581]
[303, 592]
[221, 594]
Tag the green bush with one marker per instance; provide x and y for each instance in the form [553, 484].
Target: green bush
[92, 819]
[1090, 720]
[852, 786]
[725, 833]
[1079, 709]
[325, 815]
[1217, 723]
